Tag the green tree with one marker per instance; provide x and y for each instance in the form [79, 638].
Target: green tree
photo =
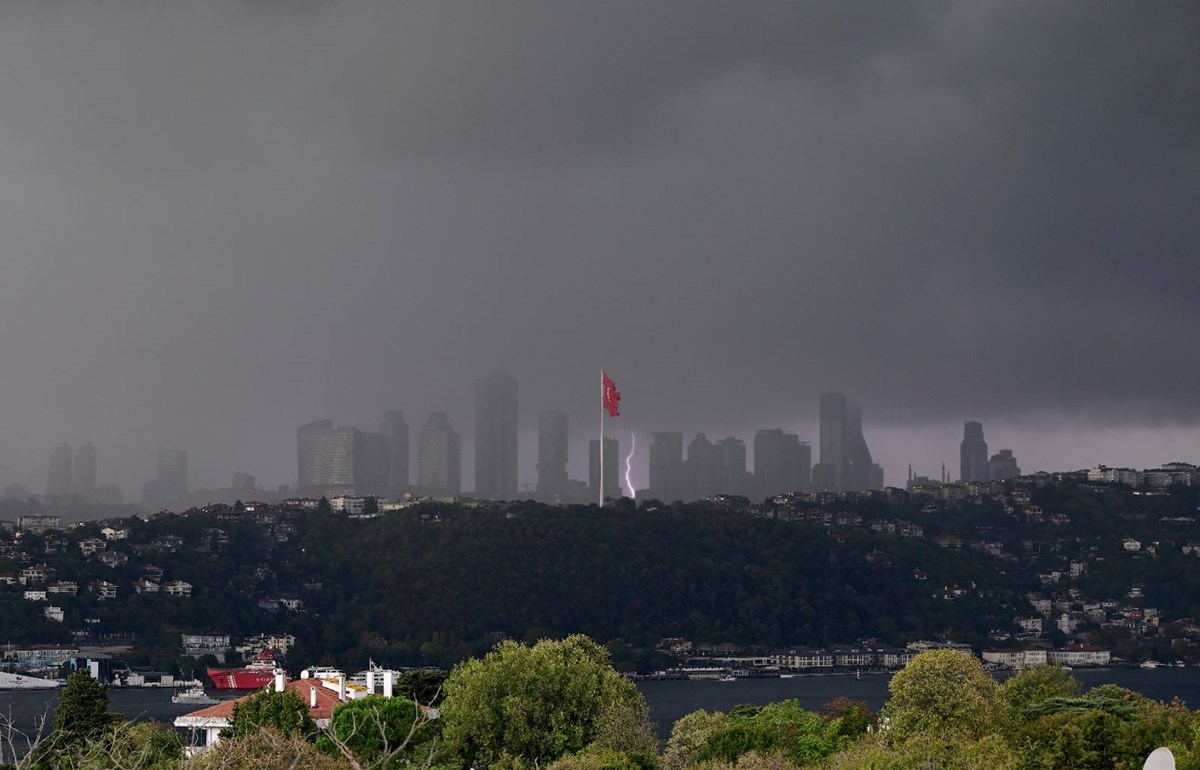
[82, 720]
[527, 706]
[943, 696]
[377, 732]
[285, 712]
[1034, 684]
[785, 728]
[690, 736]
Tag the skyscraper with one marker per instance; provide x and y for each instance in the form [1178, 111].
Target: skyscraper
[83, 471]
[782, 462]
[439, 457]
[1003, 465]
[846, 462]
[372, 463]
[325, 459]
[731, 475]
[973, 454]
[666, 466]
[833, 440]
[396, 429]
[612, 484]
[700, 469]
[496, 436]
[552, 454]
[173, 473]
[58, 481]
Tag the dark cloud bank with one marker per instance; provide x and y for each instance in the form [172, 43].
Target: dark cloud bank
[224, 219]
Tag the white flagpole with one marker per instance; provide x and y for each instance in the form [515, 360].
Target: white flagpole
[601, 484]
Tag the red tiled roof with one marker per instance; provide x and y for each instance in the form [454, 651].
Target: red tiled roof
[327, 701]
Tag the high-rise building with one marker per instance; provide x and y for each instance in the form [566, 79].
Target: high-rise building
[169, 489]
[396, 429]
[439, 458]
[496, 437]
[372, 463]
[243, 481]
[325, 459]
[552, 455]
[782, 462]
[731, 475]
[700, 469]
[973, 454]
[58, 481]
[612, 484]
[666, 466]
[83, 471]
[173, 472]
[1003, 465]
[844, 452]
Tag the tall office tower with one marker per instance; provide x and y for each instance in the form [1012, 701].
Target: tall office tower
[552, 454]
[666, 467]
[857, 474]
[243, 482]
[732, 478]
[833, 440]
[973, 454]
[173, 473]
[496, 437]
[83, 471]
[782, 462]
[439, 458]
[308, 441]
[325, 459]
[824, 477]
[700, 469]
[396, 429]
[58, 481]
[612, 483]
[372, 463]
[844, 453]
[1003, 465]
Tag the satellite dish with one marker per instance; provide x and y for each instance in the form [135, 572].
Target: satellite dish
[1160, 759]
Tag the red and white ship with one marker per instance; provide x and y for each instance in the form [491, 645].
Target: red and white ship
[257, 673]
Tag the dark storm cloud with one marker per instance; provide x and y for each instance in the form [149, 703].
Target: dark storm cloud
[224, 219]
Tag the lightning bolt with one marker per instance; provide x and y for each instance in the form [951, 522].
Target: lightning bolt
[628, 464]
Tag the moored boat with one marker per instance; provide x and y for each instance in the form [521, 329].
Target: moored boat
[10, 681]
[194, 695]
[255, 674]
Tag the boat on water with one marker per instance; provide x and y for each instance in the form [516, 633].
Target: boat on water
[1148, 664]
[194, 695]
[254, 675]
[10, 681]
[727, 679]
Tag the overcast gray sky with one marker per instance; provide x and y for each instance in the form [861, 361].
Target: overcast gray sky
[221, 220]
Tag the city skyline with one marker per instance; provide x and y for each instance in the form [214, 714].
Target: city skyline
[223, 221]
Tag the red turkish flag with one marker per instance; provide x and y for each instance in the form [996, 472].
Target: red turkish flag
[611, 396]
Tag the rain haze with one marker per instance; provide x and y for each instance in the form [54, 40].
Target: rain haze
[222, 220]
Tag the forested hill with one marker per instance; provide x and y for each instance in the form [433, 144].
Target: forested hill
[434, 584]
[458, 580]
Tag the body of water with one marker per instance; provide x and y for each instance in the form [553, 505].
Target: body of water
[671, 699]
[668, 699]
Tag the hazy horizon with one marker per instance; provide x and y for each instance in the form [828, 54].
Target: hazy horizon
[227, 219]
